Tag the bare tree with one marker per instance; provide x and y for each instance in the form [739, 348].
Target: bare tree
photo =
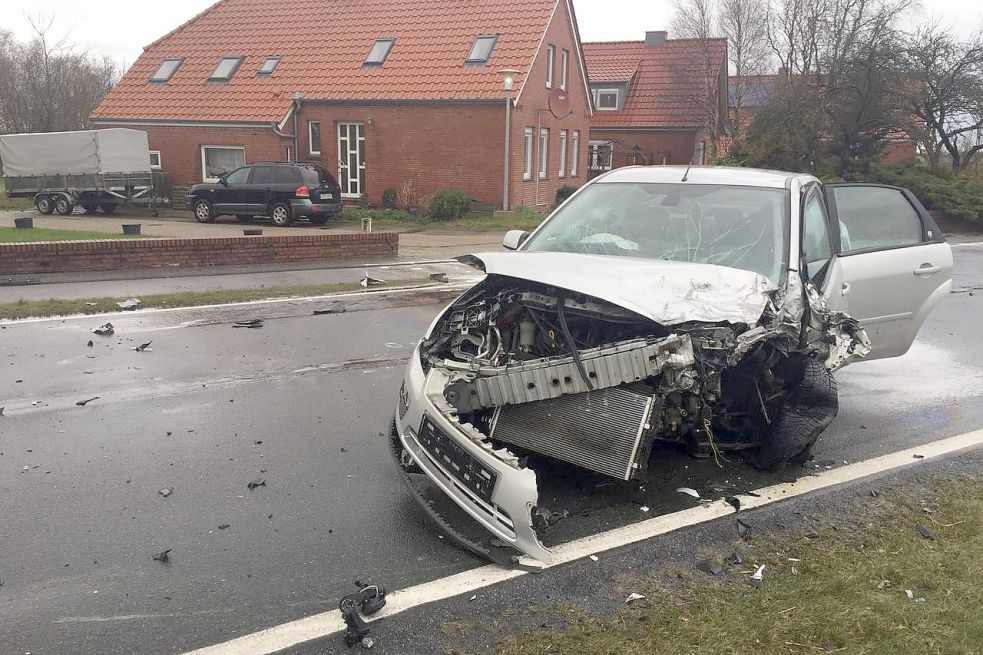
[745, 25]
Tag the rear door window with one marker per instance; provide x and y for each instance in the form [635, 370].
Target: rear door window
[261, 175]
[284, 175]
[875, 218]
[238, 176]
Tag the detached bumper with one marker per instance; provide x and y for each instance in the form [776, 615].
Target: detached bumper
[486, 483]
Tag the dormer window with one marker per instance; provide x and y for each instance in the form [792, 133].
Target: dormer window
[269, 65]
[226, 69]
[166, 69]
[481, 49]
[379, 52]
[607, 99]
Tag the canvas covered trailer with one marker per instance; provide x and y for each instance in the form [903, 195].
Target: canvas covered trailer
[94, 169]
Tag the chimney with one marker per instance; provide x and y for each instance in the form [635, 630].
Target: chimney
[655, 38]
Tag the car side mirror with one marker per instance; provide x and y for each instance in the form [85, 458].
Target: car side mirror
[514, 238]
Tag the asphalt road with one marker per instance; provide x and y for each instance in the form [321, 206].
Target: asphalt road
[301, 404]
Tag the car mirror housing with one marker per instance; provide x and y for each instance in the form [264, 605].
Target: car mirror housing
[514, 238]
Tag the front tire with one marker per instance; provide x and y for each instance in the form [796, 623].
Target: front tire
[63, 206]
[281, 214]
[44, 204]
[204, 212]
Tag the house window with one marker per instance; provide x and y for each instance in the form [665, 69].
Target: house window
[314, 136]
[225, 69]
[564, 65]
[563, 154]
[544, 146]
[481, 49]
[166, 69]
[607, 99]
[269, 65]
[575, 147]
[550, 51]
[216, 161]
[379, 52]
[155, 160]
[527, 155]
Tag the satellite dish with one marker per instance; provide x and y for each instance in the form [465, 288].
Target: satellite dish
[559, 103]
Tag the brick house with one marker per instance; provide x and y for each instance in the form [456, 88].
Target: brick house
[651, 99]
[407, 94]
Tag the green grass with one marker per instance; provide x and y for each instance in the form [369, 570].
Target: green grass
[848, 594]
[13, 235]
[67, 307]
[11, 203]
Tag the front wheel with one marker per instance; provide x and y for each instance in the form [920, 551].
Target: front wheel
[204, 213]
[44, 204]
[63, 206]
[281, 214]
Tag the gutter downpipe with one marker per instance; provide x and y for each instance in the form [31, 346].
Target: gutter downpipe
[295, 136]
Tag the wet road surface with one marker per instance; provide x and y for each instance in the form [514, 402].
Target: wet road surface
[301, 404]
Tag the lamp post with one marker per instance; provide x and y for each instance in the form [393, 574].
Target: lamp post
[509, 74]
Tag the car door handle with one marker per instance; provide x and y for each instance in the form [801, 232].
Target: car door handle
[845, 289]
[927, 269]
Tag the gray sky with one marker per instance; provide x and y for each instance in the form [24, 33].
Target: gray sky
[120, 28]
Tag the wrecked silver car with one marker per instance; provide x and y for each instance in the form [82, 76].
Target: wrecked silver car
[707, 308]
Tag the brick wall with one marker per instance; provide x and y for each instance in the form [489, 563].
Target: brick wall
[679, 145]
[73, 256]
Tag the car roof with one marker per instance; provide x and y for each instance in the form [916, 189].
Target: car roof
[724, 175]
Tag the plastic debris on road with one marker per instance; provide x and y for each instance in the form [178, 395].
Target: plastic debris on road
[165, 492]
[106, 330]
[757, 579]
[83, 403]
[163, 555]
[129, 305]
[143, 347]
[369, 281]
[632, 597]
[254, 324]
[689, 492]
[256, 483]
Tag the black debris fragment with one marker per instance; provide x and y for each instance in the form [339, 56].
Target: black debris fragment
[1, 410]
[261, 482]
[106, 330]
[83, 403]
[143, 346]
[925, 532]
[334, 309]
[439, 277]
[734, 502]
[918, 456]
[743, 530]
[710, 568]
[163, 556]
[223, 526]
[811, 534]
[129, 305]
[734, 559]
[254, 324]
[90, 343]
[368, 600]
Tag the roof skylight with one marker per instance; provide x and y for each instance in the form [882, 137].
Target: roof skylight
[166, 69]
[379, 52]
[226, 69]
[481, 49]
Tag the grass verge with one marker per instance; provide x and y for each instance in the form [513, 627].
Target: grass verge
[846, 594]
[11, 204]
[13, 235]
[67, 307]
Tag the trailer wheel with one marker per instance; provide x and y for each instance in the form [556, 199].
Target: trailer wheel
[44, 204]
[204, 213]
[107, 207]
[63, 206]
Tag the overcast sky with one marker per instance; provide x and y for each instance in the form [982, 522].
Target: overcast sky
[120, 28]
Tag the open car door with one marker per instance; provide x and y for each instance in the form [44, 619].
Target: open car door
[892, 265]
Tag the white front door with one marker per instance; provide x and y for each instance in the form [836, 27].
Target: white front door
[351, 159]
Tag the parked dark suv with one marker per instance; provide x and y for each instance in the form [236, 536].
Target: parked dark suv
[284, 191]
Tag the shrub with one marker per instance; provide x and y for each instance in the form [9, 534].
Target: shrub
[389, 197]
[563, 193]
[448, 204]
[955, 193]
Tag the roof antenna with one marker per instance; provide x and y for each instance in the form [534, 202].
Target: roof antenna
[686, 174]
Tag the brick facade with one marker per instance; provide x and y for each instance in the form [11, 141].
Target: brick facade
[648, 147]
[112, 255]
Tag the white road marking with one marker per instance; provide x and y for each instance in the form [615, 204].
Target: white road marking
[320, 625]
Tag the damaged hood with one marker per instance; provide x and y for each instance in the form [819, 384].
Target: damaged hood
[666, 292]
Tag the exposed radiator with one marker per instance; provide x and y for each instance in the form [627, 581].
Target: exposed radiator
[599, 430]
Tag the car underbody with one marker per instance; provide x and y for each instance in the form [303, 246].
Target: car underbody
[523, 369]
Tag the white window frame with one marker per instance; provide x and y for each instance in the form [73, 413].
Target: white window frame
[310, 137]
[564, 66]
[204, 161]
[550, 56]
[472, 58]
[527, 154]
[236, 62]
[356, 151]
[158, 78]
[562, 169]
[388, 42]
[153, 166]
[262, 70]
[575, 147]
[617, 99]
[544, 152]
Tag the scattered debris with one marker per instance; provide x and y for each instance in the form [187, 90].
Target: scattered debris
[473, 597]
[734, 559]
[757, 579]
[439, 277]
[129, 305]
[593, 558]
[106, 330]
[743, 530]
[872, 492]
[144, 347]
[925, 532]
[710, 568]
[261, 482]
[254, 324]
[163, 556]
[83, 403]
[632, 597]
[734, 502]
[909, 593]
[689, 492]
[811, 534]
[90, 343]
[165, 492]
[368, 281]
[918, 456]
[223, 526]
[1, 410]
[334, 309]
[644, 508]
[928, 510]
[883, 583]
[368, 600]
[367, 643]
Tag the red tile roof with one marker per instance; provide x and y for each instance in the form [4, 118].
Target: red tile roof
[666, 85]
[323, 45]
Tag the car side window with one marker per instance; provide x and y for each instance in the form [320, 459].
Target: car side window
[284, 175]
[261, 175]
[876, 217]
[238, 176]
[816, 245]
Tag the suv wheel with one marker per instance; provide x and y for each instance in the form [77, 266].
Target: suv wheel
[204, 212]
[281, 214]
[44, 204]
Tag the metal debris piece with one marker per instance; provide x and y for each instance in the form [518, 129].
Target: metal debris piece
[872, 492]
[689, 492]
[129, 305]
[223, 526]
[368, 600]
[163, 556]
[165, 492]
[143, 347]
[83, 403]
[106, 330]
[367, 643]
[734, 502]
[632, 597]
[757, 579]
[439, 277]
[254, 324]
[473, 597]
[261, 482]
[368, 281]
[795, 571]
[925, 532]
[743, 530]
[734, 559]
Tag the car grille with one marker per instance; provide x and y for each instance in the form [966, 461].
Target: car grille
[458, 462]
